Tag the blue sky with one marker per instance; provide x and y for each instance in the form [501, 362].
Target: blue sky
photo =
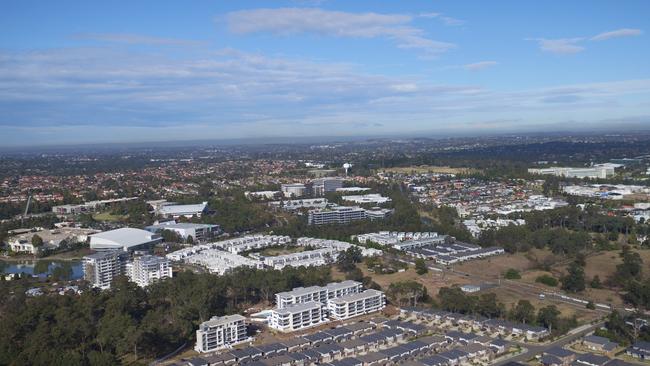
[85, 71]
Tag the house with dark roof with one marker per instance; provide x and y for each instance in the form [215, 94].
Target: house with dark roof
[454, 336]
[590, 359]
[197, 361]
[599, 344]
[435, 361]
[281, 360]
[359, 328]
[396, 353]
[346, 362]
[455, 356]
[272, 349]
[417, 347]
[499, 346]
[221, 359]
[639, 349]
[353, 347]
[373, 359]
[340, 334]
[558, 356]
[435, 342]
[318, 338]
[246, 354]
[295, 343]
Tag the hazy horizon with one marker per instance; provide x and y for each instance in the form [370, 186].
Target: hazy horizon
[75, 72]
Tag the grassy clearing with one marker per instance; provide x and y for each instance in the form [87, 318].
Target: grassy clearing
[272, 252]
[432, 280]
[107, 216]
[494, 267]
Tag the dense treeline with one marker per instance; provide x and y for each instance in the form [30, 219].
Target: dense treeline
[445, 220]
[564, 230]
[128, 323]
[455, 300]
[618, 328]
[9, 210]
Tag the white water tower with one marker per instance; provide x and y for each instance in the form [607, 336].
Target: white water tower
[347, 166]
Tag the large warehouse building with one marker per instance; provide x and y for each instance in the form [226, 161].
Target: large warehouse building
[127, 239]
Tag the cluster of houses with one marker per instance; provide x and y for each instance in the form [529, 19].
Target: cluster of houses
[378, 341]
[443, 249]
[416, 337]
[451, 253]
[469, 325]
[220, 257]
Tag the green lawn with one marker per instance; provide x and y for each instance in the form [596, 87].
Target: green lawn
[270, 252]
[107, 216]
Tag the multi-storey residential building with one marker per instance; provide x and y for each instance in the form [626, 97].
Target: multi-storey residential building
[336, 215]
[316, 293]
[370, 198]
[356, 304]
[198, 232]
[309, 258]
[221, 332]
[324, 185]
[100, 268]
[293, 189]
[147, 269]
[597, 171]
[298, 316]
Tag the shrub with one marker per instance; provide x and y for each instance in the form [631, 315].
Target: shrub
[512, 274]
[547, 280]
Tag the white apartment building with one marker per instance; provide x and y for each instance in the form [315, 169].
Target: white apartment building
[337, 245]
[147, 269]
[597, 171]
[356, 304]
[292, 205]
[324, 185]
[373, 198]
[250, 242]
[198, 232]
[293, 189]
[317, 293]
[336, 215]
[309, 258]
[378, 213]
[221, 332]
[100, 268]
[298, 316]
[269, 195]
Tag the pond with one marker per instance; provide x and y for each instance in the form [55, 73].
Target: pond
[40, 266]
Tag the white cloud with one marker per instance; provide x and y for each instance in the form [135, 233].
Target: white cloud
[115, 89]
[481, 65]
[129, 38]
[559, 46]
[445, 19]
[625, 32]
[410, 87]
[571, 45]
[288, 21]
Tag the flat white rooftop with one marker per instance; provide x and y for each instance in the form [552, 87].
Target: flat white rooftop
[122, 238]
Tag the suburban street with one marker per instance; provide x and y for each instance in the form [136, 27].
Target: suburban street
[532, 350]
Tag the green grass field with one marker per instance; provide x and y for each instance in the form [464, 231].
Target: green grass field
[107, 216]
